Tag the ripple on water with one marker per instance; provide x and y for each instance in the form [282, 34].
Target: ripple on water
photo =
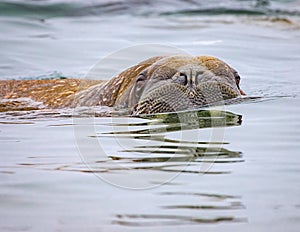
[206, 205]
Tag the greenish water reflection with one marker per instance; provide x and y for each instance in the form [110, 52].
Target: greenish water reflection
[189, 157]
[178, 150]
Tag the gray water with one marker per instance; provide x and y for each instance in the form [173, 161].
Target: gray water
[230, 168]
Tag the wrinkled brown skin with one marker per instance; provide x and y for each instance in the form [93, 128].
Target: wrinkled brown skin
[53, 93]
[119, 91]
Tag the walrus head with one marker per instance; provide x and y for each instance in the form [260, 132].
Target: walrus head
[178, 83]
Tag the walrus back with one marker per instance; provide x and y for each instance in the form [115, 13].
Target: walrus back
[52, 93]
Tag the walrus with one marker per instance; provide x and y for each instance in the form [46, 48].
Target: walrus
[157, 85]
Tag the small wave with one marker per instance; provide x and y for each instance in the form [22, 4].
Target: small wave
[62, 8]
[51, 9]
[45, 76]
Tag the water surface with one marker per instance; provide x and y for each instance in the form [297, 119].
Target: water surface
[226, 168]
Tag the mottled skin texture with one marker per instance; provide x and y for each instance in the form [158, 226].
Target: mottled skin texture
[156, 85]
[53, 93]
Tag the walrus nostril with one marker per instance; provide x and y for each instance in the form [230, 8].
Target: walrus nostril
[180, 78]
[183, 78]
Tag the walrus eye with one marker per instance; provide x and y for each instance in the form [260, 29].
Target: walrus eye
[140, 80]
[237, 78]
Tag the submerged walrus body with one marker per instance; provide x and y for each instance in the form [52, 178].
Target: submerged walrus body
[156, 85]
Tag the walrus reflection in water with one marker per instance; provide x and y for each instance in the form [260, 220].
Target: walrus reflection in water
[157, 85]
